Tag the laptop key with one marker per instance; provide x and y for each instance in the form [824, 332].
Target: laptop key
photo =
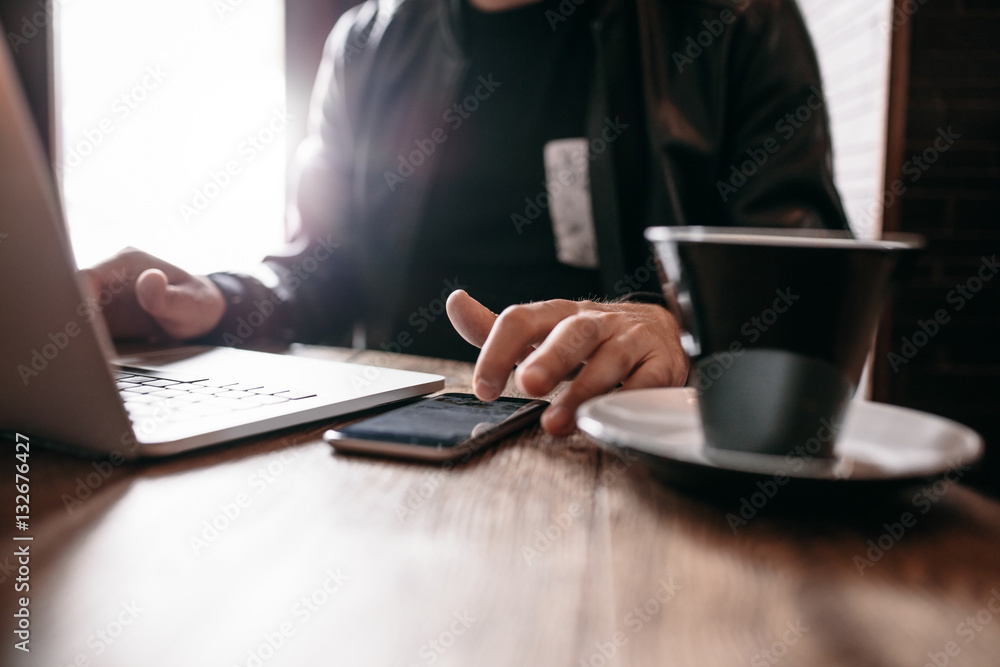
[245, 386]
[206, 410]
[295, 395]
[236, 394]
[257, 400]
[141, 379]
[187, 397]
[217, 383]
[138, 408]
[160, 383]
[168, 393]
[207, 391]
[139, 389]
[262, 399]
[132, 397]
[227, 403]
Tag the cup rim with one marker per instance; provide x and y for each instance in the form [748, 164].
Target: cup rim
[777, 236]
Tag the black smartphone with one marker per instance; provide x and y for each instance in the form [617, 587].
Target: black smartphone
[440, 428]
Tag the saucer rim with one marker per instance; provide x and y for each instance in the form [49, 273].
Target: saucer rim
[604, 436]
[766, 236]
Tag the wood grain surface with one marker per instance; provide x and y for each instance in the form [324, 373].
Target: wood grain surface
[541, 551]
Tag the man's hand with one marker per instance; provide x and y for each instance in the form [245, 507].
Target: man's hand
[142, 296]
[633, 344]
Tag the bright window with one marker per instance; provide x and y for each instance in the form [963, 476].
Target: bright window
[172, 128]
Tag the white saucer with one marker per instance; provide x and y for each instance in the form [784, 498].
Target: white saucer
[878, 442]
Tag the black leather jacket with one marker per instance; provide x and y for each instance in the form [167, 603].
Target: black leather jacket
[726, 126]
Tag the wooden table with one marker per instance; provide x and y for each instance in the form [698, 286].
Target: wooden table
[543, 551]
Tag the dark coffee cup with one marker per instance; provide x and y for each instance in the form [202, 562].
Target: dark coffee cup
[778, 325]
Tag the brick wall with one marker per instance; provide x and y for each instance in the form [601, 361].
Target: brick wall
[955, 203]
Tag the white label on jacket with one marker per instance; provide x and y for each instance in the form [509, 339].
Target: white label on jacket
[567, 179]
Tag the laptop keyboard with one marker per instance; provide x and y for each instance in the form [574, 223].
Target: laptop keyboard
[170, 400]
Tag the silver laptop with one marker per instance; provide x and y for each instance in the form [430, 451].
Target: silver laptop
[57, 379]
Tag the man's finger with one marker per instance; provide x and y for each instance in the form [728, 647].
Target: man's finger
[514, 332]
[151, 292]
[608, 366]
[570, 343]
[471, 319]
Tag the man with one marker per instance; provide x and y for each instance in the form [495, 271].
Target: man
[517, 149]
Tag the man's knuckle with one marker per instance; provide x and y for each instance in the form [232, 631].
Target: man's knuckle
[588, 323]
[657, 374]
[620, 357]
[580, 390]
[662, 374]
[516, 317]
[641, 330]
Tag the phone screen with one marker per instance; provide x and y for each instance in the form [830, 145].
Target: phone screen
[442, 421]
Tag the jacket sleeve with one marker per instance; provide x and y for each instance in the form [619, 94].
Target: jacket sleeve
[775, 163]
[308, 291]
